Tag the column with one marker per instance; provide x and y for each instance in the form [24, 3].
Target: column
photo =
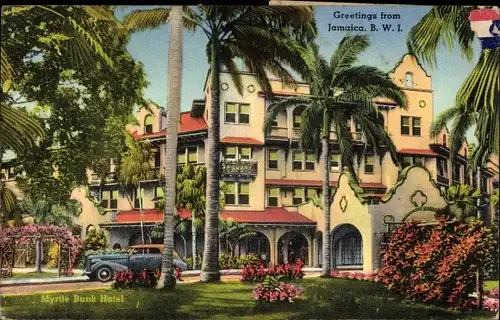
[316, 250]
[272, 241]
[310, 250]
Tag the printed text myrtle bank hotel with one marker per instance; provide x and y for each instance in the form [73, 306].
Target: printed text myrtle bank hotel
[383, 22]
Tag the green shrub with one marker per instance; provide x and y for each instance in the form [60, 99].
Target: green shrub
[189, 262]
[248, 260]
[95, 240]
[228, 262]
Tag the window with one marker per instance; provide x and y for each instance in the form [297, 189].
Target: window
[409, 80]
[272, 197]
[272, 161]
[405, 125]
[369, 164]
[412, 160]
[298, 196]
[238, 153]
[148, 124]
[335, 161]
[349, 125]
[455, 174]
[138, 201]
[159, 195]
[358, 127]
[297, 116]
[275, 122]
[467, 178]
[238, 193]
[109, 199]
[301, 195]
[303, 161]
[237, 113]
[442, 165]
[350, 250]
[187, 155]
[444, 140]
[192, 155]
[157, 158]
[416, 129]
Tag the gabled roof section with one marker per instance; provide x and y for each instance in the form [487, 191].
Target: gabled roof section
[401, 61]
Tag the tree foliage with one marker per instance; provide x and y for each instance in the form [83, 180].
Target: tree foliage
[95, 240]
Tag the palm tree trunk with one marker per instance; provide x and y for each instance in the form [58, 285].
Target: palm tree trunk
[173, 110]
[210, 266]
[1, 183]
[141, 213]
[325, 157]
[479, 286]
[39, 252]
[193, 243]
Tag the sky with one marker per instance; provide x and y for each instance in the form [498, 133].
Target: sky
[386, 49]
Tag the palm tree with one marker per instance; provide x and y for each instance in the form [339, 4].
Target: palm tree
[340, 91]
[461, 200]
[8, 203]
[136, 166]
[45, 212]
[478, 96]
[232, 232]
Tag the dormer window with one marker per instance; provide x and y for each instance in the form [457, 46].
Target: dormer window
[148, 124]
[409, 80]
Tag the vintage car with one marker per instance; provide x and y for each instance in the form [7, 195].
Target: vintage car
[102, 267]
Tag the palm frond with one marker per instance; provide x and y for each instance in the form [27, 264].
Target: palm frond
[278, 105]
[459, 128]
[18, 130]
[441, 24]
[347, 53]
[7, 71]
[442, 120]
[141, 20]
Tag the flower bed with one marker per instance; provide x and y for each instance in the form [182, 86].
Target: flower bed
[356, 275]
[271, 290]
[281, 272]
[143, 279]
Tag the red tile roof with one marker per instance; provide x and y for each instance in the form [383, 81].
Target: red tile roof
[317, 183]
[269, 215]
[420, 152]
[187, 124]
[241, 140]
[149, 215]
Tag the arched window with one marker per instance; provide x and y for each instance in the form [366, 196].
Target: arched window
[347, 249]
[117, 246]
[297, 116]
[409, 80]
[444, 140]
[148, 124]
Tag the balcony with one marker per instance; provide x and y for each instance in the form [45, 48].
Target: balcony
[239, 168]
[110, 178]
[278, 132]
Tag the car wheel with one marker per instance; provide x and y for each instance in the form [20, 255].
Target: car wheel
[104, 274]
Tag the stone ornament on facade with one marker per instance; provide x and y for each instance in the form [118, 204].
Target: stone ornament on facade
[251, 88]
[485, 22]
[224, 86]
[418, 198]
[343, 203]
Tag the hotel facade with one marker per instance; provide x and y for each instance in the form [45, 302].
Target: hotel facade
[273, 185]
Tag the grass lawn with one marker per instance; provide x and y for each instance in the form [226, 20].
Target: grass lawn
[33, 275]
[490, 284]
[323, 299]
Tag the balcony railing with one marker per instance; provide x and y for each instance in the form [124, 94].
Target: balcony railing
[95, 179]
[278, 132]
[245, 168]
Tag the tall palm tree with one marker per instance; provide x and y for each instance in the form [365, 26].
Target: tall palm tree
[478, 95]
[174, 90]
[232, 232]
[340, 91]
[277, 34]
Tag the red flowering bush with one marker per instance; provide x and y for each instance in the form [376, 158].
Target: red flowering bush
[129, 279]
[270, 290]
[437, 263]
[373, 276]
[281, 271]
[490, 300]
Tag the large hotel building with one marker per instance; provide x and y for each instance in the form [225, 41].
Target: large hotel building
[271, 182]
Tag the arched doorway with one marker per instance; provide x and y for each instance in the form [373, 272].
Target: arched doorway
[258, 245]
[136, 239]
[293, 246]
[347, 247]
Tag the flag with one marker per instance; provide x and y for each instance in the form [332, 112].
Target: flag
[485, 23]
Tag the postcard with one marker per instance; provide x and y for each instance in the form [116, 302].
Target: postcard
[298, 160]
